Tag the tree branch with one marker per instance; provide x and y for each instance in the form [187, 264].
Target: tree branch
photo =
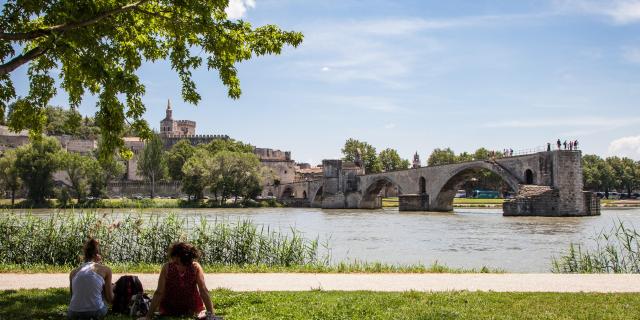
[30, 35]
[22, 59]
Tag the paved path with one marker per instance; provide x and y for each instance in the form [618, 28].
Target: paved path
[514, 282]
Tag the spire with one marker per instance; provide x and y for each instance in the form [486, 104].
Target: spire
[169, 111]
[416, 160]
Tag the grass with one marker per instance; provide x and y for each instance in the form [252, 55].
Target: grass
[318, 304]
[139, 204]
[343, 267]
[614, 251]
[132, 239]
[457, 202]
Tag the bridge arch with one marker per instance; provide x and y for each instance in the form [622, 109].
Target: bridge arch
[422, 185]
[446, 190]
[370, 194]
[316, 199]
[288, 192]
[528, 176]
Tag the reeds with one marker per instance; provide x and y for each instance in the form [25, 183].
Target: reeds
[57, 239]
[614, 251]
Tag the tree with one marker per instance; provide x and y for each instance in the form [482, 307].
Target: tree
[464, 157]
[102, 171]
[98, 46]
[234, 174]
[177, 157]
[77, 167]
[9, 177]
[151, 163]
[441, 156]
[391, 161]
[626, 173]
[231, 145]
[592, 175]
[367, 152]
[195, 174]
[36, 162]
[481, 154]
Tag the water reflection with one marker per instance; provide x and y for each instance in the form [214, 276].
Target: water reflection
[466, 238]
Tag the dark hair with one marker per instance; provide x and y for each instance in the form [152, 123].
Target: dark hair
[91, 249]
[185, 251]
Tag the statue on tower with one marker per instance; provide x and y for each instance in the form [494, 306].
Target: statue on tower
[416, 161]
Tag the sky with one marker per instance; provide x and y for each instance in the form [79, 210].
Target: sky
[418, 75]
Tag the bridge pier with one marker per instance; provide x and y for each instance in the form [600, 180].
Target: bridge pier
[413, 202]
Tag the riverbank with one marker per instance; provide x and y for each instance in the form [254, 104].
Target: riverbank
[320, 304]
[345, 267]
[163, 203]
[497, 203]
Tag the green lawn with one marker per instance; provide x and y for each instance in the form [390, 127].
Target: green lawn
[52, 303]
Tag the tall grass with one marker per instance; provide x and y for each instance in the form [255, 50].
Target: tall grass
[615, 251]
[57, 239]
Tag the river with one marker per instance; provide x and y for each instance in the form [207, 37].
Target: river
[469, 238]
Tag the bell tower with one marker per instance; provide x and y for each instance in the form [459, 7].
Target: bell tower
[416, 161]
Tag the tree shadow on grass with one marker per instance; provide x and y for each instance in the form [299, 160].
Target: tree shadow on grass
[34, 304]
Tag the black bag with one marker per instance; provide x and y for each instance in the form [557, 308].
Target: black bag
[140, 304]
[126, 287]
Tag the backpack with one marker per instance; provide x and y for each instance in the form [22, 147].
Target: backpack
[126, 287]
[140, 304]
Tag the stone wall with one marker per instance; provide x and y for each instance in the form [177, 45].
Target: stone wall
[143, 188]
[413, 202]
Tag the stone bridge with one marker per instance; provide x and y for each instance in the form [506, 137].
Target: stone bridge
[546, 184]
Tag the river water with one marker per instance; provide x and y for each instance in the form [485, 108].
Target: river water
[469, 238]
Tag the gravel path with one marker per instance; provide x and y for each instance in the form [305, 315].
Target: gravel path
[513, 282]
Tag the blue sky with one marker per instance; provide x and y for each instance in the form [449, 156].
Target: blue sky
[419, 75]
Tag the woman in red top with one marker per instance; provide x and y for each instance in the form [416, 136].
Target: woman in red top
[181, 288]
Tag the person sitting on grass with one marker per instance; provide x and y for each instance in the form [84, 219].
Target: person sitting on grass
[181, 289]
[90, 285]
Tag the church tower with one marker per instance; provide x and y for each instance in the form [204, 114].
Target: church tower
[167, 124]
[416, 161]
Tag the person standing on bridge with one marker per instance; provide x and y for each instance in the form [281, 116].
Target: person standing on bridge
[575, 144]
[548, 146]
[565, 144]
[559, 144]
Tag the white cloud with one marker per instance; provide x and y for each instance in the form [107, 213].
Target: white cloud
[620, 11]
[325, 69]
[237, 8]
[389, 125]
[626, 147]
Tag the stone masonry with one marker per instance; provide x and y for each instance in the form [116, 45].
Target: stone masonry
[545, 183]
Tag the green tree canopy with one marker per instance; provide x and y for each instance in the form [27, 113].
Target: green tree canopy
[177, 157]
[391, 161]
[441, 156]
[195, 173]
[77, 168]
[152, 164]
[36, 162]
[231, 145]
[97, 46]
[9, 178]
[367, 152]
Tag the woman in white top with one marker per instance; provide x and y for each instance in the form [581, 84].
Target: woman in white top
[90, 286]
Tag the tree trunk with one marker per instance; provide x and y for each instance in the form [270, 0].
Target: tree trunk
[13, 196]
[153, 186]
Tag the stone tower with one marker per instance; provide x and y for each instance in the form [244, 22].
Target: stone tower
[167, 125]
[416, 161]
